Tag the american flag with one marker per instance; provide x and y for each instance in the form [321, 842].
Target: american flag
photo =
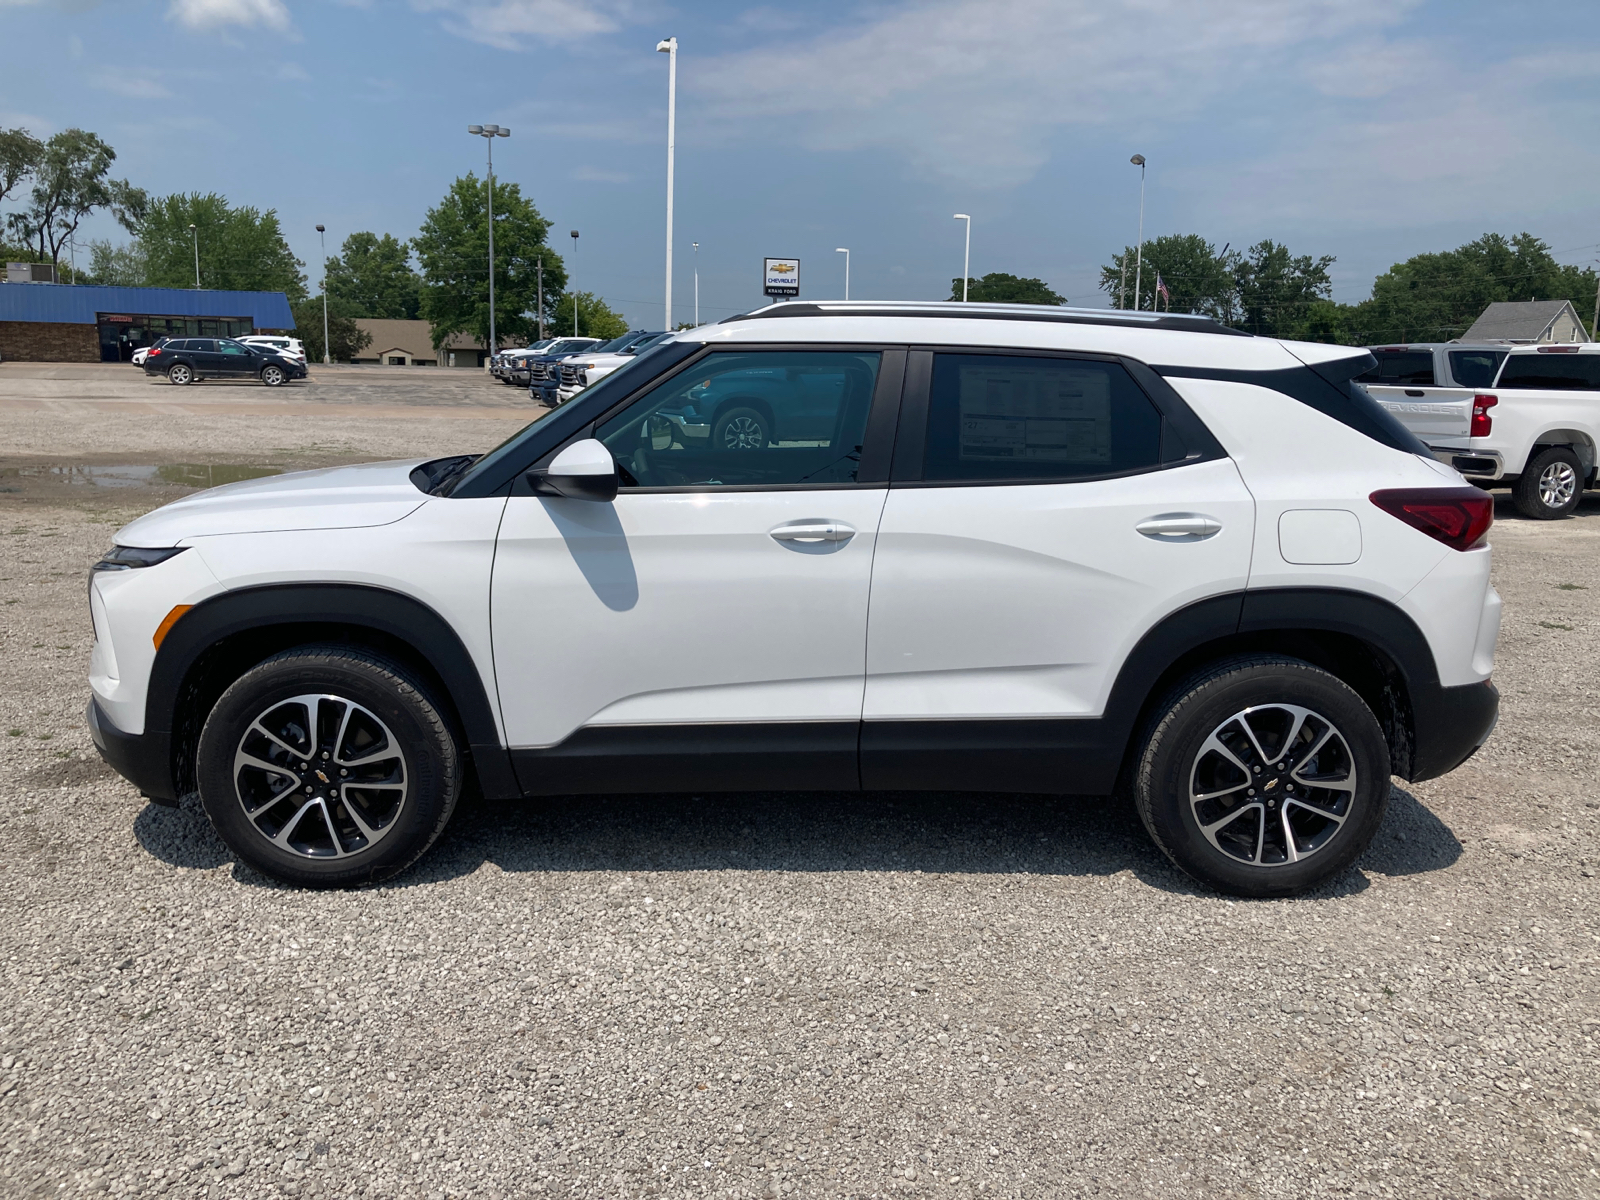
[1161, 290]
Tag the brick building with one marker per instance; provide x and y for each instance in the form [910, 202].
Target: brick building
[59, 322]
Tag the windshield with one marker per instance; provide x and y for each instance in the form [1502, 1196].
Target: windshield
[540, 345]
[614, 344]
[568, 346]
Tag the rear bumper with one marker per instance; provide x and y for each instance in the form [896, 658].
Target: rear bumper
[143, 759]
[1448, 725]
[1476, 464]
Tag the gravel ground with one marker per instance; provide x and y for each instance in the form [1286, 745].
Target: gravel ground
[908, 995]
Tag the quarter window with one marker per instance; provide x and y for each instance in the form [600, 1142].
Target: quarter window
[751, 418]
[1475, 368]
[1000, 418]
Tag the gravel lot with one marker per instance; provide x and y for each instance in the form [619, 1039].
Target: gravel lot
[908, 995]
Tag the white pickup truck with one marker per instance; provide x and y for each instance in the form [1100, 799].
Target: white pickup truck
[1524, 416]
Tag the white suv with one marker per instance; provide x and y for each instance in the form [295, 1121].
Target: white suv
[940, 546]
[289, 347]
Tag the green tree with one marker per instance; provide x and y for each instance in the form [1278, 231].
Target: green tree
[1197, 277]
[241, 249]
[71, 179]
[122, 266]
[373, 277]
[20, 154]
[999, 288]
[453, 250]
[1435, 297]
[595, 318]
[1276, 290]
[346, 337]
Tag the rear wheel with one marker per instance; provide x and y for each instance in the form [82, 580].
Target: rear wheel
[272, 375]
[1263, 776]
[1550, 486]
[327, 766]
[741, 429]
[180, 374]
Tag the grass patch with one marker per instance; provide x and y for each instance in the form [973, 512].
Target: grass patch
[1571, 587]
[1554, 625]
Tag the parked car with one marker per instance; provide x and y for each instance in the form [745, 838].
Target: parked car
[143, 352]
[1031, 550]
[500, 364]
[542, 372]
[581, 370]
[1529, 419]
[289, 347]
[517, 361]
[185, 360]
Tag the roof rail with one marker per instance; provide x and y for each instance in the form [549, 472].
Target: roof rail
[988, 312]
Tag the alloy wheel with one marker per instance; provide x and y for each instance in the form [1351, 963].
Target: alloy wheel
[320, 776]
[743, 433]
[1272, 785]
[272, 376]
[1557, 484]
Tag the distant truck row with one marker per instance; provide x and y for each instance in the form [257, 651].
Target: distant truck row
[1523, 416]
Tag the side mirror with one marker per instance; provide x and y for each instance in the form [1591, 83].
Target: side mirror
[583, 471]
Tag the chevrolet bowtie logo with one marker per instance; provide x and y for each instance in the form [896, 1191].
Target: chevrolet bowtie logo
[1266, 787]
[324, 778]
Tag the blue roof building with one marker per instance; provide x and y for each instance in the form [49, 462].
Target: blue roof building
[60, 322]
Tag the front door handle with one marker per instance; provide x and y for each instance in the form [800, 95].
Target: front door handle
[1180, 527]
[814, 531]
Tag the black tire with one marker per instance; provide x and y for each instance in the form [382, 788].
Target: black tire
[393, 731]
[181, 374]
[1550, 486]
[741, 428]
[1246, 853]
[273, 375]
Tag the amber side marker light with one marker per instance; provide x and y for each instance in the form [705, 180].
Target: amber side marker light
[1459, 517]
[167, 622]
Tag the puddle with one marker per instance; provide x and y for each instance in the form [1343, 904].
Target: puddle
[194, 475]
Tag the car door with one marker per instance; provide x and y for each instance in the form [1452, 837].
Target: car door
[236, 360]
[1046, 513]
[707, 629]
[205, 357]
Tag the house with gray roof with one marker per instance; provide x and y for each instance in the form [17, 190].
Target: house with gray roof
[1525, 322]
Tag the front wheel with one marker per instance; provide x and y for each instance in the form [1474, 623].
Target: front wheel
[272, 376]
[180, 374]
[1263, 776]
[327, 766]
[741, 429]
[1550, 486]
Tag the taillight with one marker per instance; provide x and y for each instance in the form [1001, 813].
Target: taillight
[1482, 422]
[1458, 517]
[154, 350]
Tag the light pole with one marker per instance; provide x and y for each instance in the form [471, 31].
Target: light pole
[195, 234]
[966, 261]
[845, 251]
[697, 285]
[670, 49]
[572, 285]
[541, 298]
[490, 132]
[327, 351]
[1138, 271]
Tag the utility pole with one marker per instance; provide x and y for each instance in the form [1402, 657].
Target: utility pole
[669, 47]
[1138, 270]
[572, 285]
[541, 297]
[489, 133]
[327, 351]
[1594, 326]
[195, 233]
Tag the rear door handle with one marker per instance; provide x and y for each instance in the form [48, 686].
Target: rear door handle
[814, 531]
[1179, 527]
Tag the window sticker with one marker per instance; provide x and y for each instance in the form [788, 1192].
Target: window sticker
[1035, 413]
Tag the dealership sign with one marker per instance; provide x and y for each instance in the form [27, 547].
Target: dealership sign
[780, 276]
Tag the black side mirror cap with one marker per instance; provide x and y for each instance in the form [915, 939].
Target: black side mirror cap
[574, 487]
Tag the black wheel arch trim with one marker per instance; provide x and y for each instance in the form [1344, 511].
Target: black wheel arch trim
[322, 610]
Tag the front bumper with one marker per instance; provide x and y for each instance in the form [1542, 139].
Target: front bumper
[143, 759]
[1449, 724]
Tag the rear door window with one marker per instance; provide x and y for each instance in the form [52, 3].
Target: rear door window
[1564, 372]
[1475, 368]
[1401, 368]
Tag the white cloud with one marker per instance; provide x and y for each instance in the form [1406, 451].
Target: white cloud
[508, 24]
[973, 90]
[221, 14]
[134, 84]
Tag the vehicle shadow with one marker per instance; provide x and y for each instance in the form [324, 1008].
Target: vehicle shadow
[930, 832]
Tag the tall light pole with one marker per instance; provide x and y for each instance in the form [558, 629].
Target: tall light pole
[966, 261]
[845, 251]
[1138, 271]
[697, 285]
[490, 132]
[572, 285]
[327, 351]
[195, 234]
[670, 49]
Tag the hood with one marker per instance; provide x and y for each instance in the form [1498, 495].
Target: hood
[332, 498]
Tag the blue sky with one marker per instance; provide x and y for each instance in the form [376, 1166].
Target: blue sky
[1366, 129]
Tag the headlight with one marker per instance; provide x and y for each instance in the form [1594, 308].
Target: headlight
[126, 558]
